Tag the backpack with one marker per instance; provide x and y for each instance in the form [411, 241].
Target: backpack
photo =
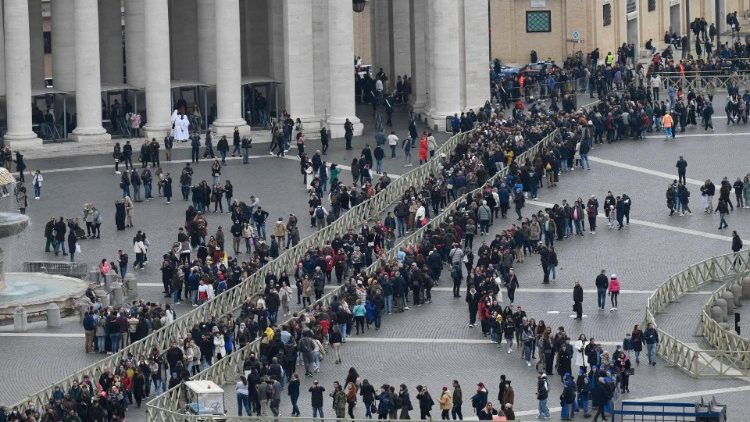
[319, 212]
[305, 346]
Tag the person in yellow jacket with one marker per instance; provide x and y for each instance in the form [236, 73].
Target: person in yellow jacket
[446, 403]
[609, 59]
[668, 123]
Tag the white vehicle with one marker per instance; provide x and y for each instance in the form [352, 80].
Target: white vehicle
[205, 398]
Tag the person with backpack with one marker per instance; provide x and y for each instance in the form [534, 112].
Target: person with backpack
[519, 200]
[320, 216]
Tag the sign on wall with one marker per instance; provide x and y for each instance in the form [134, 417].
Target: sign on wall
[538, 3]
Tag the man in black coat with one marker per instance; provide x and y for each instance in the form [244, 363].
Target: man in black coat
[602, 282]
[472, 299]
[578, 300]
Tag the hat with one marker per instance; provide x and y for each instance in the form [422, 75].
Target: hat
[445, 388]
[590, 123]
[481, 384]
[613, 276]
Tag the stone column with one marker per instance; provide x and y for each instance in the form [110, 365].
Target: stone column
[135, 40]
[158, 76]
[2, 57]
[110, 41]
[36, 43]
[341, 70]
[299, 94]
[88, 77]
[63, 46]
[229, 69]
[18, 76]
[476, 54]
[445, 93]
[418, 23]
[207, 41]
[401, 42]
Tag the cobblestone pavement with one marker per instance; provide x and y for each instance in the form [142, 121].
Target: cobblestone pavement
[432, 344]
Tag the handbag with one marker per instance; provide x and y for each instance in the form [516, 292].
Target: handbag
[373, 408]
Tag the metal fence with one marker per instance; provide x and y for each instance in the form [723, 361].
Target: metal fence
[68, 269]
[705, 82]
[162, 408]
[721, 337]
[727, 359]
[232, 299]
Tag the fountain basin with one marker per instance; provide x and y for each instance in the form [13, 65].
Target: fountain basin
[12, 223]
[35, 291]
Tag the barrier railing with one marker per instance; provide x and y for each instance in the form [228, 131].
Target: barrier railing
[232, 299]
[162, 407]
[722, 337]
[227, 369]
[726, 360]
[706, 82]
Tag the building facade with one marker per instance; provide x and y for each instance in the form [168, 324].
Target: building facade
[557, 29]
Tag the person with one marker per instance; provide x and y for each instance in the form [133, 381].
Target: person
[667, 123]
[651, 337]
[636, 338]
[446, 404]
[578, 300]
[614, 291]
[324, 140]
[316, 398]
[736, 243]
[542, 393]
[405, 402]
[425, 402]
[681, 169]
[723, 210]
[72, 244]
[348, 133]
[406, 146]
[293, 391]
[479, 399]
[458, 399]
[602, 283]
[38, 179]
[22, 199]
[339, 400]
[168, 188]
[243, 396]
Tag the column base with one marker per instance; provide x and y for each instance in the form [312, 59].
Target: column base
[23, 141]
[420, 111]
[436, 121]
[226, 128]
[336, 126]
[90, 135]
[157, 131]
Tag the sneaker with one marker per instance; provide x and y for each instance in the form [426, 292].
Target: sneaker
[36, 197]
[528, 363]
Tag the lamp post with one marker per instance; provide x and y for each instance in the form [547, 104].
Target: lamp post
[358, 5]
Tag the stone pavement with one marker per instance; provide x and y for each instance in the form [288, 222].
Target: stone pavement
[432, 344]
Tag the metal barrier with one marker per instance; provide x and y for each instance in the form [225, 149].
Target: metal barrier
[162, 408]
[68, 269]
[232, 299]
[727, 359]
[705, 82]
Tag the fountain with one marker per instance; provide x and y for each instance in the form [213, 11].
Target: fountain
[32, 291]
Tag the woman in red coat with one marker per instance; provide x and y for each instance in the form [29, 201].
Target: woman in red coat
[423, 149]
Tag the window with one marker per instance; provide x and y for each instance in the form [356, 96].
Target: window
[651, 5]
[607, 14]
[539, 21]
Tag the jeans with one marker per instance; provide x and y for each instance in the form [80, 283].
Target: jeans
[115, 340]
[456, 411]
[223, 153]
[552, 271]
[147, 187]
[393, 151]
[388, 303]
[651, 352]
[100, 341]
[60, 247]
[401, 226]
[722, 221]
[484, 226]
[318, 410]
[601, 297]
[176, 294]
[37, 191]
[378, 166]
[261, 229]
[243, 401]
[342, 330]
[543, 409]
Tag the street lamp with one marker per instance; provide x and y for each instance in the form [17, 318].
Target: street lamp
[358, 5]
